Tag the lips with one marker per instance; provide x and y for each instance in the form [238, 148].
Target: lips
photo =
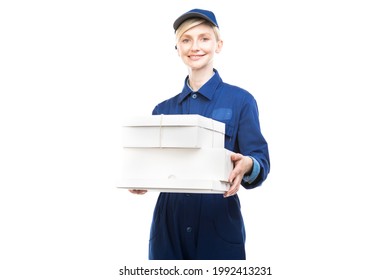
[195, 57]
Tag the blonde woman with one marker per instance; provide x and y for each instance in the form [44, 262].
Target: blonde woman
[209, 226]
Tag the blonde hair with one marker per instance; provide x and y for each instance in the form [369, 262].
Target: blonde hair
[192, 22]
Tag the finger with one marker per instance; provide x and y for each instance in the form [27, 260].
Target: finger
[232, 176]
[236, 156]
[233, 189]
[230, 192]
[138, 191]
[141, 191]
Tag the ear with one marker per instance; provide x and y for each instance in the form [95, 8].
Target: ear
[177, 50]
[219, 46]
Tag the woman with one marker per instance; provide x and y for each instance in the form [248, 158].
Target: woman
[209, 226]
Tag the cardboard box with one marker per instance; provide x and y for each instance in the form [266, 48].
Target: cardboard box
[203, 170]
[173, 131]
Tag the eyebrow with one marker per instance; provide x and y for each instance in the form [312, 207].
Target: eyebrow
[202, 34]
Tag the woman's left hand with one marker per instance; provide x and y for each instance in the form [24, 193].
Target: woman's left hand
[242, 165]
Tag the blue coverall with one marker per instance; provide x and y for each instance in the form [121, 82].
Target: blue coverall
[209, 226]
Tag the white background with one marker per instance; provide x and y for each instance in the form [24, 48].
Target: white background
[72, 71]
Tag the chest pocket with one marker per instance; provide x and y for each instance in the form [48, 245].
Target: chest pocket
[222, 114]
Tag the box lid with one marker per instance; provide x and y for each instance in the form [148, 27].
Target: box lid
[176, 120]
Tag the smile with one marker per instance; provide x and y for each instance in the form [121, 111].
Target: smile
[195, 57]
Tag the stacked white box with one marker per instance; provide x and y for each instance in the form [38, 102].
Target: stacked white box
[175, 153]
[173, 131]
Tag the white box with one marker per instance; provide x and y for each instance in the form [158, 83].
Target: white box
[176, 170]
[175, 186]
[173, 131]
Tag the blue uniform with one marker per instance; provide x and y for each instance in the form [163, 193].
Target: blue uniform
[209, 226]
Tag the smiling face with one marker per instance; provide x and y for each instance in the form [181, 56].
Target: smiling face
[197, 47]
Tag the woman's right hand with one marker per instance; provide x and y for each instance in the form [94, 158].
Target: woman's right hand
[138, 191]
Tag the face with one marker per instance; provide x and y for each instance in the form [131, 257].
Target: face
[197, 47]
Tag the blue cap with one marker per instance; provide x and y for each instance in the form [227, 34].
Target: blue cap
[196, 13]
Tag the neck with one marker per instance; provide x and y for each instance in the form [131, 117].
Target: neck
[198, 78]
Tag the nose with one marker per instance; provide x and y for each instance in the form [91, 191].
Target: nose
[195, 46]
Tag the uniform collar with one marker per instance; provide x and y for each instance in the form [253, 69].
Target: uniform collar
[207, 90]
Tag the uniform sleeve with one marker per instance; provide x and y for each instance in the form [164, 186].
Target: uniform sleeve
[255, 171]
[252, 143]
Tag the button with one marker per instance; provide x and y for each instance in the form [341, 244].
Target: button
[189, 229]
[188, 195]
[194, 95]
